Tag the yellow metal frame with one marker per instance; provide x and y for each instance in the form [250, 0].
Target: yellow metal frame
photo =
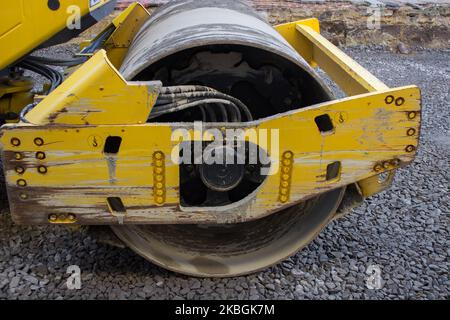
[26, 24]
[96, 94]
[59, 156]
[351, 77]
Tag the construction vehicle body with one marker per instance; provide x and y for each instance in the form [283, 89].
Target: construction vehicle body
[112, 143]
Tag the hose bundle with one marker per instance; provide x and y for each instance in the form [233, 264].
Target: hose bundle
[179, 98]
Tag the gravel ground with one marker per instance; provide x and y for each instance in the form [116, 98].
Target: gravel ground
[405, 231]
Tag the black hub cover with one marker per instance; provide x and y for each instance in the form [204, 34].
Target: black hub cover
[222, 175]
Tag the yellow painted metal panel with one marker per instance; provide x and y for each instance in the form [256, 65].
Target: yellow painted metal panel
[347, 73]
[96, 93]
[127, 24]
[24, 25]
[300, 43]
[368, 129]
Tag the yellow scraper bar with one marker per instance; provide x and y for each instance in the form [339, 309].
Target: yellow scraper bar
[351, 77]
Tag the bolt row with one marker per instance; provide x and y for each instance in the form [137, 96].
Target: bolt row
[20, 170]
[15, 142]
[62, 218]
[159, 178]
[287, 164]
[387, 165]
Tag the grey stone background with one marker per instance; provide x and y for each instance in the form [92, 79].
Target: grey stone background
[405, 230]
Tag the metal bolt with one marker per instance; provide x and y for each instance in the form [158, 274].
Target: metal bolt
[410, 149]
[40, 155]
[38, 141]
[21, 183]
[378, 168]
[159, 155]
[284, 199]
[42, 169]
[411, 132]
[160, 200]
[389, 99]
[400, 101]
[15, 142]
[53, 218]
[288, 155]
[412, 115]
[20, 170]
[18, 156]
[71, 217]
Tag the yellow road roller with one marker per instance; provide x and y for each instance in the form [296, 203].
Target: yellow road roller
[203, 136]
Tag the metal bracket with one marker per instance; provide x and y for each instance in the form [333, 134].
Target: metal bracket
[351, 77]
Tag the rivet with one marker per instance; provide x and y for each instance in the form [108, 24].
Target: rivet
[159, 170]
[38, 141]
[23, 196]
[288, 155]
[286, 170]
[42, 169]
[15, 142]
[20, 170]
[399, 101]
[378, 168]
[18, 156]
[40, 155]
[159, 178]
[159, 193]
[284, 184]
[71, 217]
[284, 192]
[412, 115]
[411, 132]
[158, 156]
[284, 199]
[410, 148]
[160, 200]
[53, 218]
[285, 177]
[287, 162]
[21, 183]
[389, 99]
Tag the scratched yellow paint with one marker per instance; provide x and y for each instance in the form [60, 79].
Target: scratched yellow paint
[372, 131]
[95, 94]
[304, 36]
[25, 24]
[369, 128]
[127, 24]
